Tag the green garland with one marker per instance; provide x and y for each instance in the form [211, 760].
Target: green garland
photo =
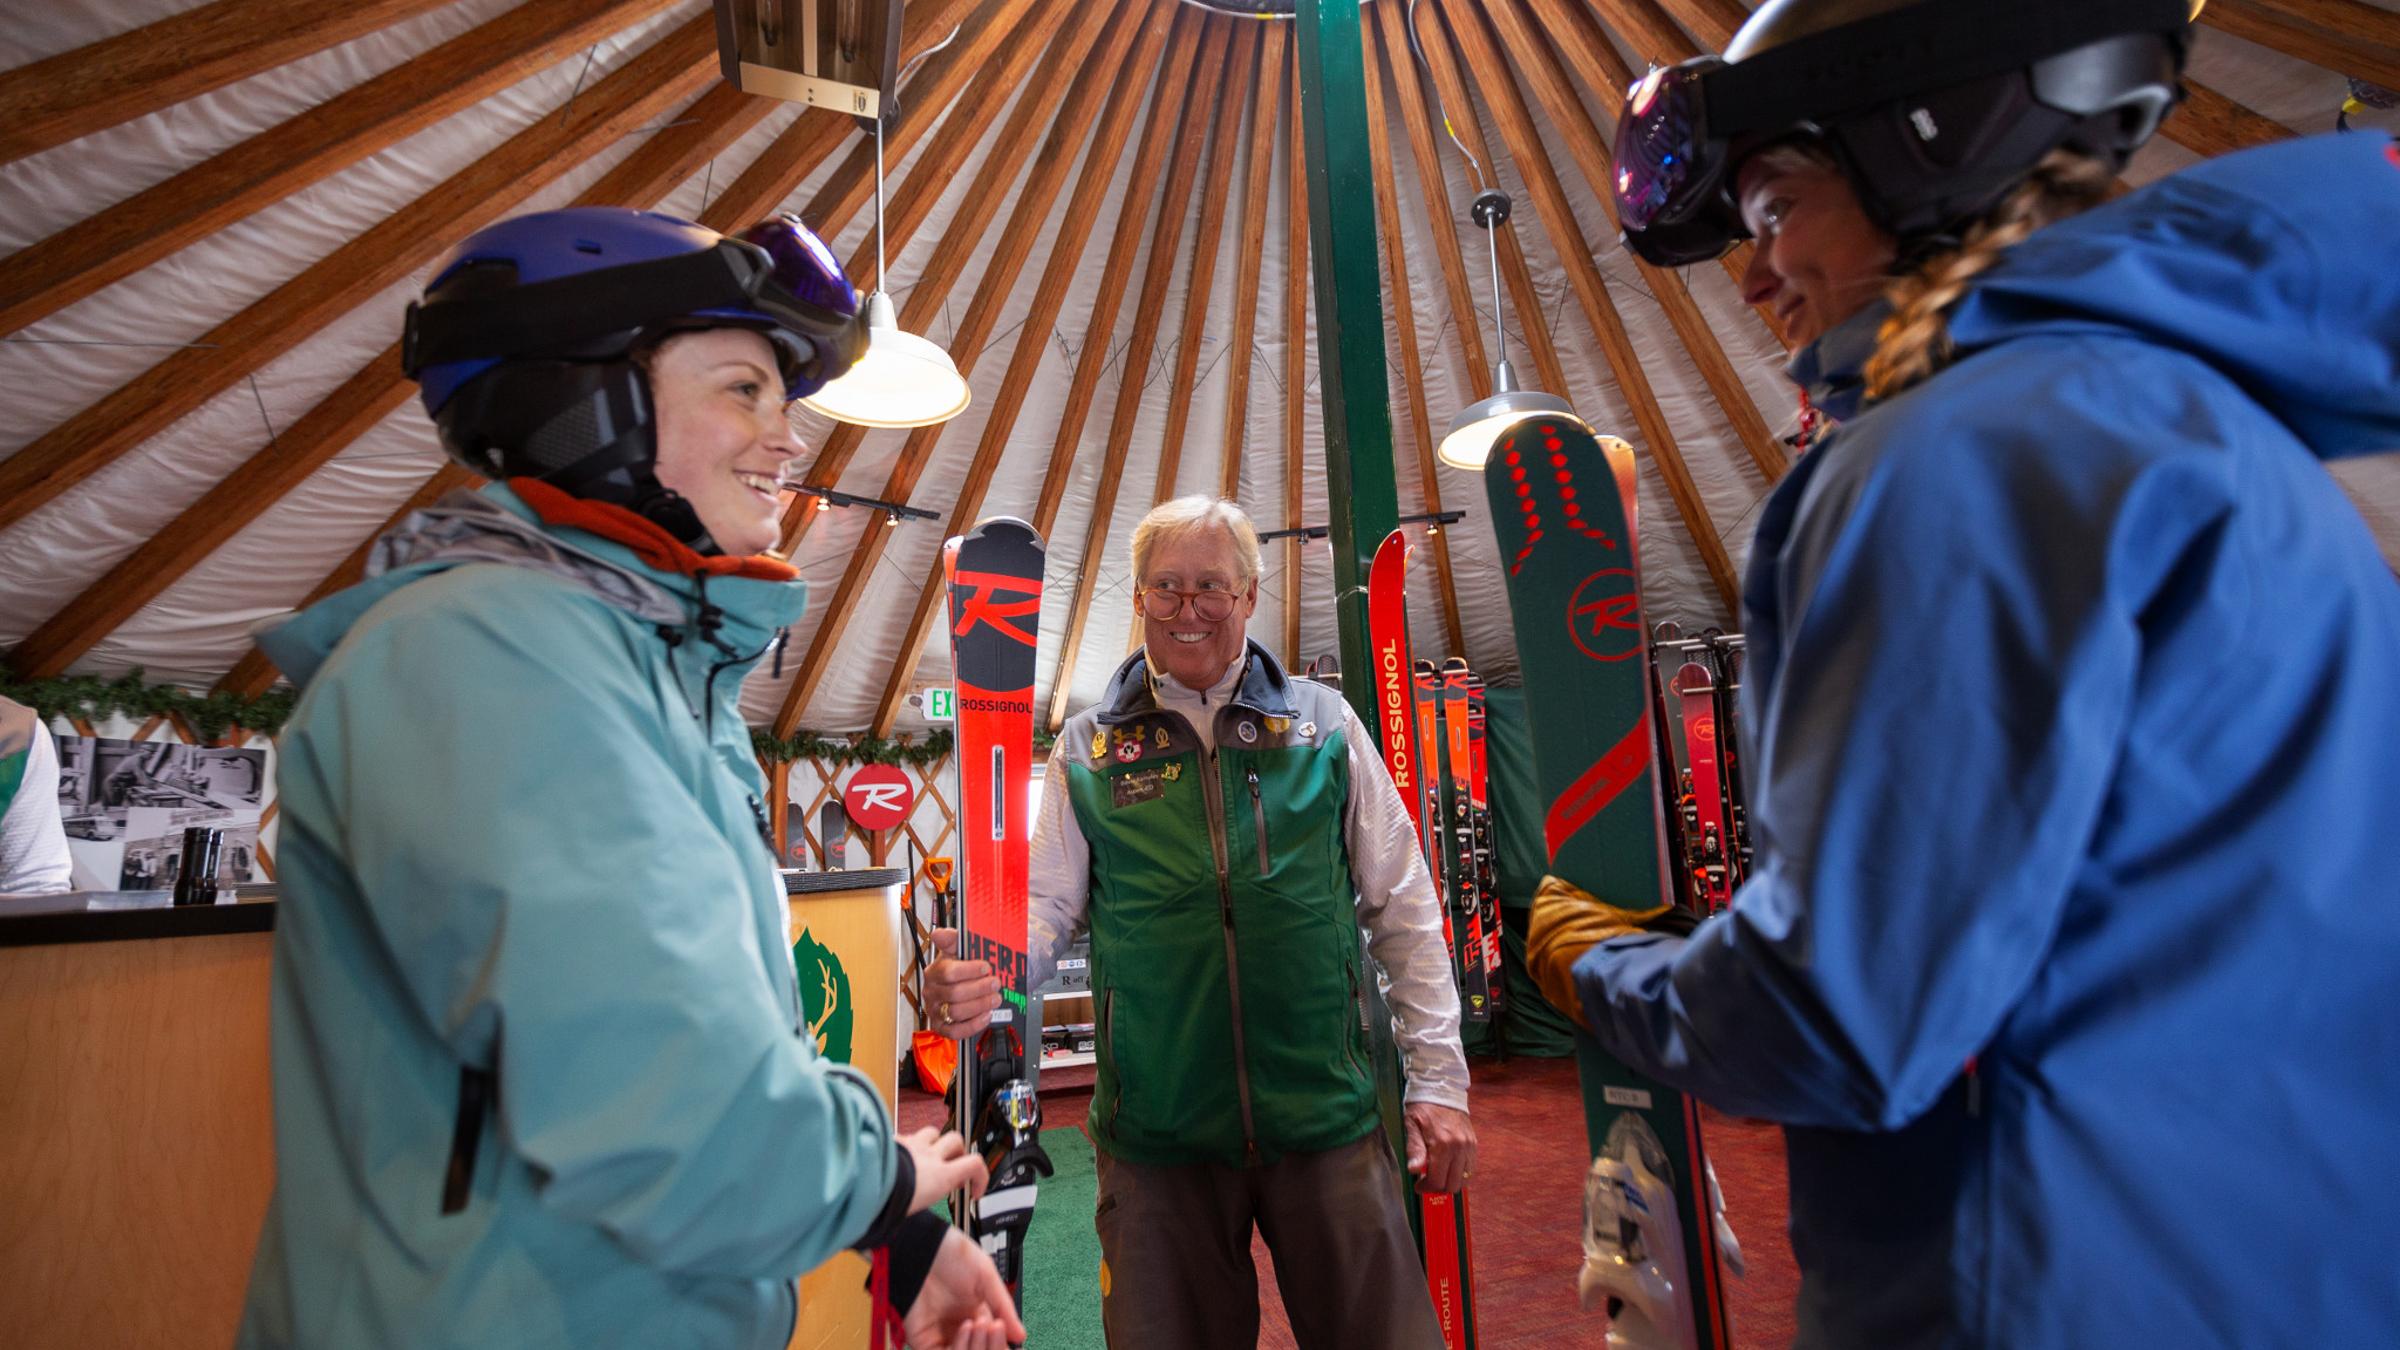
[840, 752]
[129, 695]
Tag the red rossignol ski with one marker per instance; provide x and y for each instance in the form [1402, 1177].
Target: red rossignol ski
[1712, 875]
[1458, 820]
[1653, 1253]
[1487, 857]
[1442, 1229]
[995, 583]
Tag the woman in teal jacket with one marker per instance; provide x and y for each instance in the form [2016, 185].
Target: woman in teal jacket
[538, 1078]
[2070, 955]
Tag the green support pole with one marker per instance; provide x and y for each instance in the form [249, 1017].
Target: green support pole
[1359, 482]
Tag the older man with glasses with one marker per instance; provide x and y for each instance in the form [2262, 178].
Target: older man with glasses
[1226, 831]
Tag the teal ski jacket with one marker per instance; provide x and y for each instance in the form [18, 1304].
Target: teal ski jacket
[538, 1083]
[2074, 713]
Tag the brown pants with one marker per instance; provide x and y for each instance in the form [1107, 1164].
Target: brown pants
[1175, 1253]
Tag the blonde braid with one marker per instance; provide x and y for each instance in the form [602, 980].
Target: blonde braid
[1915, 341]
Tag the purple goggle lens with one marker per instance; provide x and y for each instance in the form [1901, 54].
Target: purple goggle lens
[1661, 144]
[803, 268]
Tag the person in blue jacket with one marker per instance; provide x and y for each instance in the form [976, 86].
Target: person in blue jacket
[2070, 955]
[539, 1069]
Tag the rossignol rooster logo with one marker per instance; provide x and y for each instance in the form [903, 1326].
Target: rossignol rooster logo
[1604, 615]
[985, 604]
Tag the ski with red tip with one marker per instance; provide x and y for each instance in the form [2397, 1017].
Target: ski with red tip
[995, 589]
[1443, 1242]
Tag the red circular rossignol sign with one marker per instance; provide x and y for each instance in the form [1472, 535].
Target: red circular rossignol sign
[878, 796]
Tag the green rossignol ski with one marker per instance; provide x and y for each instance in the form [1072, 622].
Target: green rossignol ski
[1560, 507]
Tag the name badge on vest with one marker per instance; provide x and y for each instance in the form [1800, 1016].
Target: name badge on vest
[1143, 785]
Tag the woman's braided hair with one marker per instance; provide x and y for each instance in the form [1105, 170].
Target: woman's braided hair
[1915, 341]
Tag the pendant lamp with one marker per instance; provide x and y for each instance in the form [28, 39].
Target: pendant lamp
[1475, 429]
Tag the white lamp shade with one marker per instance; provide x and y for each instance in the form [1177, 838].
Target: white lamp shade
[1478, 425]
[902, 381]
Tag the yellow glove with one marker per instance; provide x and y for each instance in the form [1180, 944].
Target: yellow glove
[1567, 922]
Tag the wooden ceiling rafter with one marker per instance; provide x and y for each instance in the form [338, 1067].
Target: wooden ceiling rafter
[1216, 194]
[1175, 87]
[121, 239]
[1295, 351]
[1648, 30]
[1441, 59]
[962, 124]
[714, 121]
[2346, 37]
[792, 156]
[1553, 89]
[1116, 274]
[2207, 123]
[1174, 204]
[1062, 71]
[665, 74]
[254, 674]
[1131, 76]
[956, 81]
[1403, 323]
[66, 97]
[1441, 217]
[1712, 23]
[1250, 258]
[1550, 204]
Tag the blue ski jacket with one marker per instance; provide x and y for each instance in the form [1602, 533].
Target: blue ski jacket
[539, 1081]
[2073, 711]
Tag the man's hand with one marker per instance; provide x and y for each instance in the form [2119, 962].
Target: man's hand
[944, 1167]
[960, 995]
[1441, 1146]
[963, 1305]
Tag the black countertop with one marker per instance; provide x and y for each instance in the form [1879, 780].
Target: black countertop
[128, 916]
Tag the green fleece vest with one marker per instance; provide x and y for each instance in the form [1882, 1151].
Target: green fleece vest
[1225, 947]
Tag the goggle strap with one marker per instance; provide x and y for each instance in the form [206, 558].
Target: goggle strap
[1913, 51]
[545, 317]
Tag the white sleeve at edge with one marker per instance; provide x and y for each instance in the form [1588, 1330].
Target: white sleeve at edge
[33, 841]
[1058, 876]
[1403, 919]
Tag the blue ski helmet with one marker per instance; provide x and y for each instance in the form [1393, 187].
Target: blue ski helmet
[524, 348]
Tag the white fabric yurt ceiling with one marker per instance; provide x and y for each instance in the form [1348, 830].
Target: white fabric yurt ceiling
[219, 210]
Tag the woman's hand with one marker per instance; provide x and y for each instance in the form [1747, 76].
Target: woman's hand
[944, 1167]
[959, 995]
[963, 1305]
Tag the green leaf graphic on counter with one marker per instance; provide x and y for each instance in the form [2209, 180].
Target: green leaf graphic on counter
[824, 996]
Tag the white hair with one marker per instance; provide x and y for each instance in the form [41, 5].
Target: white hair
[1190, 515]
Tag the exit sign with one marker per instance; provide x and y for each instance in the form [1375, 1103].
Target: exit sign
[941, 705]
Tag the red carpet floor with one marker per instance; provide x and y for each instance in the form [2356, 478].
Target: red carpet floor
[1526, 1208]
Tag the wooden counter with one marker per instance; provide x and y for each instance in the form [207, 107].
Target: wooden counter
[136, 1143]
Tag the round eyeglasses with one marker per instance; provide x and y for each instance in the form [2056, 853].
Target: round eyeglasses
[1208, 606]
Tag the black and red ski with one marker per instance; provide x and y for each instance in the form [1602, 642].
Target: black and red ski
[1706, 841]
[1487, 855]
[1442, 1231]
[995, 580]
[1476, 972]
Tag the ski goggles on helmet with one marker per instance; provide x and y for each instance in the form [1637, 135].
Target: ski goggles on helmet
[775, 277]
[1671, 172]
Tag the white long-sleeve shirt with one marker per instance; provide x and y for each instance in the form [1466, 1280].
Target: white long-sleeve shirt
[1396, 902]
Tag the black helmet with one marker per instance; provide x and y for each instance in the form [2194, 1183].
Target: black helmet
[524, 347]
[1934, 109]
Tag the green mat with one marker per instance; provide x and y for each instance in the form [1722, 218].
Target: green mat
[1061, 1290]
